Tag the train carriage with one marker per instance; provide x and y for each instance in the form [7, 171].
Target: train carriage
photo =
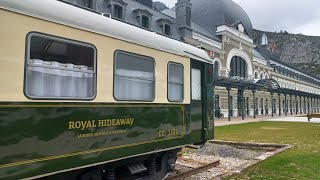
[84, 96]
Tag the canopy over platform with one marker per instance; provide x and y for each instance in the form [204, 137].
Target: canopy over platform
[293, 92]
[237, 82]
[270, 84]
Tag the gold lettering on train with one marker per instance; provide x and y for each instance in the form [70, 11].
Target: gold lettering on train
[82, 125]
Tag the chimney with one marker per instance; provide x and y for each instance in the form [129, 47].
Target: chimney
[264, 46]
[146, 2]
[183, 17]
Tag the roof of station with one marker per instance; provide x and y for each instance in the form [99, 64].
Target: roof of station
[213, 13]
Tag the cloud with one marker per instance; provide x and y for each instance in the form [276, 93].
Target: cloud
[169, 3]
[274, 15]
[311, 28]
[287, 15]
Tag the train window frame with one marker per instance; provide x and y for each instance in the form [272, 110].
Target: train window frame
[62, 40]
[168, 80]
[196, 71]
[114, 76]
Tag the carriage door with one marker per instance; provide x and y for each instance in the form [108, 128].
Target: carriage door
[197, 100]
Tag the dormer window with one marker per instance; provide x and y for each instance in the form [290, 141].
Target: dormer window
[167, 29]
[240, 28]
[118, 12]
[143, 18]
[165, 26]
[145, 22]
[86, 3]
[117, 9]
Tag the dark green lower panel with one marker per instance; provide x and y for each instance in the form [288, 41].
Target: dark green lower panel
[43, 138]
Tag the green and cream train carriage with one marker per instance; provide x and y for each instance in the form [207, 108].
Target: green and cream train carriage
[84, 96]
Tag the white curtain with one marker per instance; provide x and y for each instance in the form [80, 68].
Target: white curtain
[175, 83]
[175, 92]
[133, 85]
[55, 80]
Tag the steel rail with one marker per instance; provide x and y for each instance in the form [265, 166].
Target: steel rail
[195, 170]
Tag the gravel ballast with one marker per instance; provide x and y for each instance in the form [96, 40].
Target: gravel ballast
[233, 159]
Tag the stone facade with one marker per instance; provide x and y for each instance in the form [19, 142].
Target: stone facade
[225, 32]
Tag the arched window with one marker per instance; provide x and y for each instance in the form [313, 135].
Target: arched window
[261, 76]
[167, 29]
[256, 75]
[145, 22]
[216, 69]
[238, 67]
[118, 12]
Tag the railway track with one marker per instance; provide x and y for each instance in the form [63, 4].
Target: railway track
[190, 169]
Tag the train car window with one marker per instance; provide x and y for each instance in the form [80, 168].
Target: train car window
[134, 78]
[58, 68]
[196, 84]
[175, 82]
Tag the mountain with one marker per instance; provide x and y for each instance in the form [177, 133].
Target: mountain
[298, 50]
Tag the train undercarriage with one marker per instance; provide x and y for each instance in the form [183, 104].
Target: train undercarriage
[153, 166]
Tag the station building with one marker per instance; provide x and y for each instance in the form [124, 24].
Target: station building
[248, 80]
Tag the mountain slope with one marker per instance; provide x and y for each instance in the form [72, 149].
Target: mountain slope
[296, 49]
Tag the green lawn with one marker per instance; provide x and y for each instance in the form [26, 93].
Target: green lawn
[301, 162]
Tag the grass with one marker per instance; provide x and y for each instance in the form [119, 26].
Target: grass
[301, 162]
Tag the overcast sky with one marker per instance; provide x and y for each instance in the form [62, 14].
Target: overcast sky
[274, 15]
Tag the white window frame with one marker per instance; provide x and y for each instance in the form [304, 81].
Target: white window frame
[168, 96]
[63, 40]
[153, 80]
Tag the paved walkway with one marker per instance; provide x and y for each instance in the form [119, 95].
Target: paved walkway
[296, 119]
[289, 118]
